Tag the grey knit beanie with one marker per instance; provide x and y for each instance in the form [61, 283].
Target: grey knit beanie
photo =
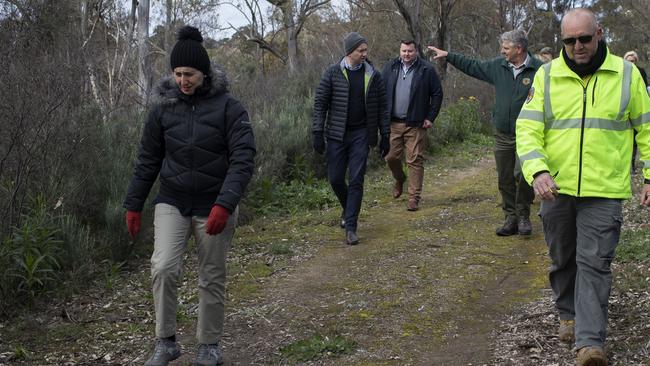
[352, 41]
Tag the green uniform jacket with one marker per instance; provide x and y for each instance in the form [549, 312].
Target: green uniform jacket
[510, 92]
[581, 131]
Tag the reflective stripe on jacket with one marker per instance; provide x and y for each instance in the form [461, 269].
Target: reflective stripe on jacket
[581, 131]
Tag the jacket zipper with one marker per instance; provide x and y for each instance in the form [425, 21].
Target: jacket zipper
[593, 92]
[365, 93]
[582, 132]
[514, 87]
[192, 143]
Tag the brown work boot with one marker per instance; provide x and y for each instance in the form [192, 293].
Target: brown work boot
[398, 188]
[591, 356]
[412, 205]
[566, 333]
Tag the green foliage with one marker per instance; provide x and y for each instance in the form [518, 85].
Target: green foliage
[112, 272]
[30, 257]
[317, 346]
[455, 123]
[280, 249]
[283, 137]
[276, 197]
[58, 244]
[633, 246]
[20, 353]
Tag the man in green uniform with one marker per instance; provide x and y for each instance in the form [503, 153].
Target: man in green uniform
[512, 75]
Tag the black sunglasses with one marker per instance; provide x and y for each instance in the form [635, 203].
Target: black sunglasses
[572, 40]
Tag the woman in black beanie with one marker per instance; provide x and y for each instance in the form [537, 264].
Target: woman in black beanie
[198, 140]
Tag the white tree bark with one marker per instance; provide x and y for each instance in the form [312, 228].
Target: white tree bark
[144, 68]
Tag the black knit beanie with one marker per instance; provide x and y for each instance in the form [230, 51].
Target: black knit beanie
[352, 41]
[189, 52]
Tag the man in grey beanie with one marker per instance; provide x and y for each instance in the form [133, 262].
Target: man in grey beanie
[352, 41]
[349, 110]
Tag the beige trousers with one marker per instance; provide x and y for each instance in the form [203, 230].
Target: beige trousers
[171, 233]
[410, 139]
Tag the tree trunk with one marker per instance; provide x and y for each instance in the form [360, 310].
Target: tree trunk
[144, 68]
[411, 15]
[169, 34]
[291, 32]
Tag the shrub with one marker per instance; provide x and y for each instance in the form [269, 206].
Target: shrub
[272, 196]
[455, 123]
[30, 257]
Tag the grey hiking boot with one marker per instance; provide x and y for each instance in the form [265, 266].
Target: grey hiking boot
[208, 355]
[351, 237]
[524, 226]
[165, 351]
[509, 227]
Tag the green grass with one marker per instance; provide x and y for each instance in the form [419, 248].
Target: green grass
[316, 347]
[280, 249]
[634, 245]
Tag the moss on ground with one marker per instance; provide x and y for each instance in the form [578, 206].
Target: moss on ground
[421, 285]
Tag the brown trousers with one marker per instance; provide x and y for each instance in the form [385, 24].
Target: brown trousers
[410, 139]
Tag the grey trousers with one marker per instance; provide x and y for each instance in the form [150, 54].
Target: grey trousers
[516, 194]
[171, 233]
[582, 235]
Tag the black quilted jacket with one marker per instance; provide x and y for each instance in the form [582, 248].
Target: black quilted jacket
[202, 147]
[331, 104]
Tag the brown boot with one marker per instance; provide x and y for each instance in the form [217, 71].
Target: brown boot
[591, 356]
[413, 204]
[398, 188]
[566, 333]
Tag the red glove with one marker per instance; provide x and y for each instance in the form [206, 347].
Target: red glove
[217, 220]
[133, 222]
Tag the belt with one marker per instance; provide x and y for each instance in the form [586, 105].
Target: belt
[398, 120]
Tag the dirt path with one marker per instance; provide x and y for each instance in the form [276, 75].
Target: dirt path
[422, 288]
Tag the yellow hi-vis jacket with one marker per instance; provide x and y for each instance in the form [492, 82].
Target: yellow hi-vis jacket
[581, 131]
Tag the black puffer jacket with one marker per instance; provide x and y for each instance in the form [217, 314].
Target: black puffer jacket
[201, 145]
[426, 92]
[331, 104]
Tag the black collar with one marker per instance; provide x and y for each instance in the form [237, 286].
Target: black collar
[593, 65]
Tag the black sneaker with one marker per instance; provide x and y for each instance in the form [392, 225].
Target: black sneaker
[208, 355]
[524, 227]
[166, 350]
[508, 228]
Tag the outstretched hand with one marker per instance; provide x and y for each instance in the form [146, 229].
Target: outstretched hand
[438, 53]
